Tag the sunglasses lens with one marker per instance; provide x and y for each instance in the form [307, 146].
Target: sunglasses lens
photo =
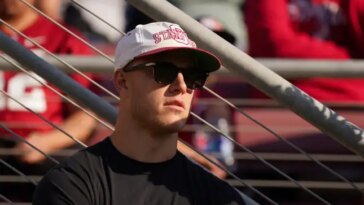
[194, 78]
[165, 73]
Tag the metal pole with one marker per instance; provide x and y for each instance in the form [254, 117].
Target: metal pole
[58, 78]
[287, 68]
[305, 68]
[260, 76]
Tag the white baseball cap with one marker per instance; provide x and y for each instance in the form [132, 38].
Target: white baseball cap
[159, 37]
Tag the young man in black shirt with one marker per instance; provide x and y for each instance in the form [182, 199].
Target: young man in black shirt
[157, 69]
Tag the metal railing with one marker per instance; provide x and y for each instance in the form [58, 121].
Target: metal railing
[287, 68]
[245, 66]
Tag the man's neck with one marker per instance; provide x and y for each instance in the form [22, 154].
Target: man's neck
[142, 145]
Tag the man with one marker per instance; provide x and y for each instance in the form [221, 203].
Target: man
[229, 26]
[157, 69]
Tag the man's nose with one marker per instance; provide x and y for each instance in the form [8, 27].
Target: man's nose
[179, 84]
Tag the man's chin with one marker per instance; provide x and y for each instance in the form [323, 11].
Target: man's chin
[172, 127]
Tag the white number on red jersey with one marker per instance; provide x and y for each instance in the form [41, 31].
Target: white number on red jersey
[26, 90]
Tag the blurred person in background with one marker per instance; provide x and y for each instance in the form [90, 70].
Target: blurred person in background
[36, 96]
[310, 29]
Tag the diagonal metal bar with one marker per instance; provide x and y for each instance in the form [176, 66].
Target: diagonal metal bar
[67, 30]
[30, 144]
[6, 199]
[261, 159]
[19, 172]
[57, 92]
[284, 140]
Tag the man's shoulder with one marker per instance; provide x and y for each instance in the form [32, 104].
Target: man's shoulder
[84, 161]
[222, 192]
[201, 174]
[68, 181]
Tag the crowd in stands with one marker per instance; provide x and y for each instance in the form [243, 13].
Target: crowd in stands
[310, 30]
[296, 29]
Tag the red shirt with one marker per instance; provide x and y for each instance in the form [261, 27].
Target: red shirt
[28, 91]
[316, 29]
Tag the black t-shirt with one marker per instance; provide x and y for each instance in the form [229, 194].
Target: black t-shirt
[101, 175]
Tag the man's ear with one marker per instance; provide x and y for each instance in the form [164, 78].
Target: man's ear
[119, 80]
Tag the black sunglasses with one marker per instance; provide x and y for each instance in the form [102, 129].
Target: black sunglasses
[166, 73]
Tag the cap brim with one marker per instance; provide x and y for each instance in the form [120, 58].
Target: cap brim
[203, 59]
